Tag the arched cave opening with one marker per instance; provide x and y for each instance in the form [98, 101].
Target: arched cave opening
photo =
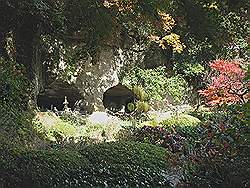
[54, 97]
[118, 97]
[50, 102]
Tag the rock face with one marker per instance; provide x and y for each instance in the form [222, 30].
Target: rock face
[92, 80]
[96, 74]
[95, 79]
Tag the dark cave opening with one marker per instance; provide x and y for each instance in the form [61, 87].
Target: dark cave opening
[118, 97]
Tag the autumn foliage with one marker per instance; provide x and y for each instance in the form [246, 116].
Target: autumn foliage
[228, 84]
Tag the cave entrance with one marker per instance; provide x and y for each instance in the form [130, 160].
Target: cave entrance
[54, 96]
[117, 98]
[51, 102]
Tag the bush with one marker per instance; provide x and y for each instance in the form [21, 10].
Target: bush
[156, 83]
[183, 120]
[103, 165]
[220, 155]
[183, 124]
[228, 86]
[64, 130]
[14, 88]
[37, 168]
[160, 136]
[211, 153]
[74, 128]
[152, 80]
[177, 87]
[128, 163]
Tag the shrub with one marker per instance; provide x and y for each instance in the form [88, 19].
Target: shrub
[175, 133]
[167, 138]
[14, 88]
[152, 80]
[37, 168]
[112, 164]
[176, 87]
[74, 128]
[141, 106]
[133, 164]
[229, 86]
[63, 130]
[183, 120]
[220, 156]
[156, 83]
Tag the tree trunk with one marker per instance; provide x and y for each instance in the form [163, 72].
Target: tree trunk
[28, 53]
[3, 46]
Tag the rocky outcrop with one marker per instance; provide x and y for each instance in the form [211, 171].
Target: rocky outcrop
[97, 73]
[95, 78]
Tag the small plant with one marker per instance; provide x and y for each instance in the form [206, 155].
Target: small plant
[140, 93]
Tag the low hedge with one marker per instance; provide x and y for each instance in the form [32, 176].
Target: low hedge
[112, 164]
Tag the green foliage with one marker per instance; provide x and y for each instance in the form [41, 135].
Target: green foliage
[182, 120]
[175, 133]
[177, 87]
[14, 87]
[152, 80]
[73, 128]
[15, 118]
[224, 159]
[131, 160]
[131, 107]
[213, 153]
[63, 130]
[47, 168]
[107, 164]
[48, 13]
[156, 84]
[142, 107]
[140, 93]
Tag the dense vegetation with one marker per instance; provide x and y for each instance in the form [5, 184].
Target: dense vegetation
[98, 165]
[180, 52]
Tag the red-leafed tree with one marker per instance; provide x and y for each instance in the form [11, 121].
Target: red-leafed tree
[228, 85]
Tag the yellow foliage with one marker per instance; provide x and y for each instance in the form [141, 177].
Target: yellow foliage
[120, 4]
[172, 40]
[167, 21]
